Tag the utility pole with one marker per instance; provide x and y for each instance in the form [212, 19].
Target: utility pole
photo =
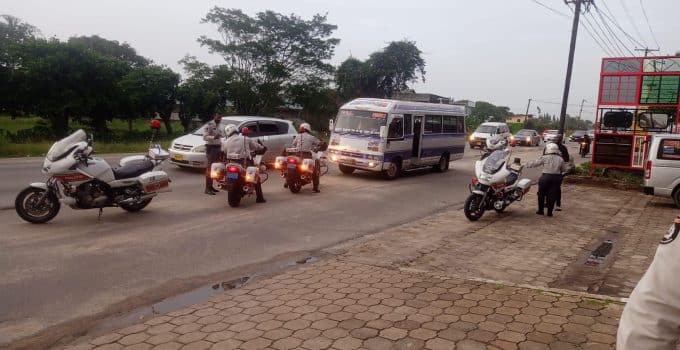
[570, 62]
[581, 110]
[647, 50]
[526, 115]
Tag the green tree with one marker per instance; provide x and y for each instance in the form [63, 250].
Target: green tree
[269, 53]
[111, 49]
[204, 91]
[486, 112]
[319, 101]
[13, 33]
[149, 90]
[384, 73]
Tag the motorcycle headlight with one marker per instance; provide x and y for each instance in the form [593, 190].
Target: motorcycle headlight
[198, 149]
[472, 137]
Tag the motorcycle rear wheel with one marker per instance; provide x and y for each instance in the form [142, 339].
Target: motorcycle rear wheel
[28, 210]
[294, 186]
[135, 207]
[474, 208]
[234, 199]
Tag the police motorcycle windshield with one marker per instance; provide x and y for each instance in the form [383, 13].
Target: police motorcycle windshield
[64, 146]
[495, 161]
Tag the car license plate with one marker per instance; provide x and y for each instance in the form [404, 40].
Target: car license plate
[291, 165]
[177, 157]
[349, 161]
[232, 176]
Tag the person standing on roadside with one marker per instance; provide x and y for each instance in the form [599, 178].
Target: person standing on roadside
[213, 144]
[651, 317]
[558, 140]
[551, 179]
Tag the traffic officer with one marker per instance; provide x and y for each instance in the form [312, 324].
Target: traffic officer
[651, 318]
[212, 138]
[304, 141]
[240, 147]
[551, 179]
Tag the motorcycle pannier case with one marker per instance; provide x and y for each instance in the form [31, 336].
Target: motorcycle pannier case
[155, 182]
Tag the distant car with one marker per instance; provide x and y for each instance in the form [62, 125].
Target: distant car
[577, 136]
[486, 130]
[276, 134]
[549, 135]
[526, 137]
[591, 134]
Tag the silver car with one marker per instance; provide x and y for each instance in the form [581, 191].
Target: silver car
[276, 134]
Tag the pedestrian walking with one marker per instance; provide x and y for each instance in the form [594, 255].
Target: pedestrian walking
[213, 144]
[551, 178]
[651, 318]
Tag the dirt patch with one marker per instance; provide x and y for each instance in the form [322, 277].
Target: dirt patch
[602, 183]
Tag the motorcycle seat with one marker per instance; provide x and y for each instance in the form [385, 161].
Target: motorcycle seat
[133, 169]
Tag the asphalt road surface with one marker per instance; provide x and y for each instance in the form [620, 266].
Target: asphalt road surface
[77, 265]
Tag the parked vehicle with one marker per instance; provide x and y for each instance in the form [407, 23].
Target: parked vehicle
[82, 181]
[577, 136]
[276, 134]
[297, 167]
[496, 185]
[526, 137]
[390, 136]
[662, 169]
[485, 130]
[549, 135]
[238, 177]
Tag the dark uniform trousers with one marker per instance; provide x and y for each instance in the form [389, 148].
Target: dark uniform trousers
[213, 153]
[548, 191]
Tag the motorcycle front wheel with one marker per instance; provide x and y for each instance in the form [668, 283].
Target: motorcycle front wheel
[30, 208]
[474, 208]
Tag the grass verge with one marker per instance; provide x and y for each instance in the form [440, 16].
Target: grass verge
[39, 149]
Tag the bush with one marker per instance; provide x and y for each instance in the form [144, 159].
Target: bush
[623, 175]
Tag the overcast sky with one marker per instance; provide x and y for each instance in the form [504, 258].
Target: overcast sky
[501, 51]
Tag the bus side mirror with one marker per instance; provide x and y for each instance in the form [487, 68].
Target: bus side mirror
[330, 125]
[383, 132]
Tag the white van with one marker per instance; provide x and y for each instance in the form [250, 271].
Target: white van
[389, 136]
[486, 130]
[662, 170]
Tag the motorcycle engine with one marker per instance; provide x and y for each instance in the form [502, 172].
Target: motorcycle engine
[91, 195]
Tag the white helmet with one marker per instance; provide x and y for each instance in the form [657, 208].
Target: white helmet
[230, 130]
[305, 127]
[495, 142]
[552, 148]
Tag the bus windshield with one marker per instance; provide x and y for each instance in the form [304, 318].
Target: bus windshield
[362, 122]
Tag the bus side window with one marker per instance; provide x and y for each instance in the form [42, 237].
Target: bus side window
[396, 129]
[408, 124]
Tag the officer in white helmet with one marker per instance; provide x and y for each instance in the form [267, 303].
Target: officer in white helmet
[305, 141]
[651, 318]
[239, 147]
[551, 179]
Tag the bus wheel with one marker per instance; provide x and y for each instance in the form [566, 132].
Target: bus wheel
[345, 169]
[393, 171]
[443, 164]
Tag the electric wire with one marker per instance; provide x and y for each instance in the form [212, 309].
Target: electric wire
[615, 48]
[617, 40]
[649, 25]
[612, 19]
[593, 33]
[551, 9]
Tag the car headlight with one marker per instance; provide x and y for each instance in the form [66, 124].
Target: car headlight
[198, 149]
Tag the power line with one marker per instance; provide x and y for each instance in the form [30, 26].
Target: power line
[551, 9]
[615, 48]
[649, 24]
[612, 19]
[632, 21]
[558, 103]
[611, 31]
[601, 42]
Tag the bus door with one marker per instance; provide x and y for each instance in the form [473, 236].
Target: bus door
[416, 148]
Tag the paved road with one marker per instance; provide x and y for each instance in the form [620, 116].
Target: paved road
[77, 266]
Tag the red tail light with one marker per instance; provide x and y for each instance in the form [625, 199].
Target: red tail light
[232, 169]
[648, 169]
[291, 160]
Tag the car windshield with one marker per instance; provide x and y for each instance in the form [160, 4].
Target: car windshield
[524, 133]
[361, 122]
[488, 129]
[579, 133]
[223, 124]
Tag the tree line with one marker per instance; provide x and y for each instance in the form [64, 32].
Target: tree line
[270, 60]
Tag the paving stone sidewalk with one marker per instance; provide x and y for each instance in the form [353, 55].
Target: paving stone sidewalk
[439, 283]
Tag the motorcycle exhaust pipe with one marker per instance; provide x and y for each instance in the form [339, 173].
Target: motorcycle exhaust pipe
[133, 200]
